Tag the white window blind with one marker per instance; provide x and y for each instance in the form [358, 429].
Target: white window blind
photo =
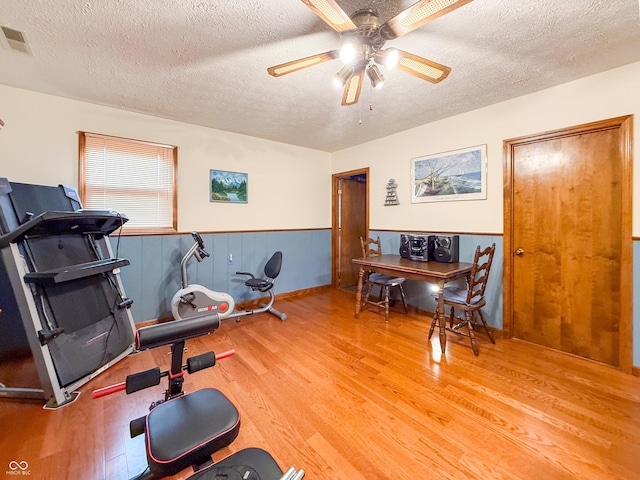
[131, 177]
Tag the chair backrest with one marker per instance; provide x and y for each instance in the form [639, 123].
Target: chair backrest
[480, 273]
[370, 247]
[272, 268]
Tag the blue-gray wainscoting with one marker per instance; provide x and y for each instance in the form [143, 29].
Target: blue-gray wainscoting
[154, 274]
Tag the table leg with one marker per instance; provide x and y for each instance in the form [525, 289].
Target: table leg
[442, 321]
[359, 292]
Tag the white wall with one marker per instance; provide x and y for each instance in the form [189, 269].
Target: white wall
[39, 144]
[606, 95]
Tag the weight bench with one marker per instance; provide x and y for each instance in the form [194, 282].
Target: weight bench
[184, 430]
[247, 464]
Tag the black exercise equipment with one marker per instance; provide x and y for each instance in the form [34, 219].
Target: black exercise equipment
[62, 305]
[184, 430]
[247, 464]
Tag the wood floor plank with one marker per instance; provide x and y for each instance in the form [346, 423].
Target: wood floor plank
[355, 399]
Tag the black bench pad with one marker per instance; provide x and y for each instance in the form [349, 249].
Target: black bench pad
[185, 431]
[260, 461]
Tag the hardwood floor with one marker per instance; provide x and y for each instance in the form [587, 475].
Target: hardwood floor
[359, 399]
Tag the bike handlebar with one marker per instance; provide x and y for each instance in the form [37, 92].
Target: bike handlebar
[196, 236]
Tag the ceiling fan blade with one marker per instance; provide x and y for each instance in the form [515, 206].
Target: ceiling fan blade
[352, 88]
[330, 12]
[417, 15]
[306, 62]
[421, 67]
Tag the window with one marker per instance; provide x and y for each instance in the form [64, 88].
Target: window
[135, 178]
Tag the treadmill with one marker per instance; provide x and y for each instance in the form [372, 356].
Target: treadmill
[64, 315]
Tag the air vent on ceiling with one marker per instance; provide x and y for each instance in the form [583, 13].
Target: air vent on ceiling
[16, 40]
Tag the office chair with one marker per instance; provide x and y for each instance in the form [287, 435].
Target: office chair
[373, 248]
[469, 300]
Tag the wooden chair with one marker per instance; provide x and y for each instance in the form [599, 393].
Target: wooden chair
[373, 248]
[469, 300]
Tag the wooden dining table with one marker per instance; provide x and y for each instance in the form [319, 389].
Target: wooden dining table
[432, 272]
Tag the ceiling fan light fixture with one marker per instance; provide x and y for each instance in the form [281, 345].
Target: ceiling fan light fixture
[376, 77]
[340, 78]
[347, 52]
[388, 58]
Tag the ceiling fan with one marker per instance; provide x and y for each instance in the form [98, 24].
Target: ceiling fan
[363, 37]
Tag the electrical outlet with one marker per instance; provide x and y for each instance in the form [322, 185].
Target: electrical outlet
[231, 259]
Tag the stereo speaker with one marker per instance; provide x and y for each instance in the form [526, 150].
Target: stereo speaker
[446, 248]
[405, 248]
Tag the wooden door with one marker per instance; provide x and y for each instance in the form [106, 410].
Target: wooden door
[569, 251]
[350, 223]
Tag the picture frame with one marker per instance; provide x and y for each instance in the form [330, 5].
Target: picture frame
[449, 176]
[228, 187]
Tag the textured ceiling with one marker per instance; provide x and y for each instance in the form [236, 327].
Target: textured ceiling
[205, 61]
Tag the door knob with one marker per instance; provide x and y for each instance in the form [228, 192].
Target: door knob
[519, 252]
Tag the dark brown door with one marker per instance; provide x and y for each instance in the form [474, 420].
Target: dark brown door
[350, 223]
[571, 240]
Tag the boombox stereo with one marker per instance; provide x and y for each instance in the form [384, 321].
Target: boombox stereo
[427, 247]
[416, 247]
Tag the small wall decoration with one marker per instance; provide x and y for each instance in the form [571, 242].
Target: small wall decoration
[454, 175]
[392, 196]
[228, 187]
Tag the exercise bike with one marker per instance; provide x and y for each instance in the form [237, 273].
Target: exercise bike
[193, 300]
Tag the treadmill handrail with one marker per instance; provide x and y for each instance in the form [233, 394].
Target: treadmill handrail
[55, 223]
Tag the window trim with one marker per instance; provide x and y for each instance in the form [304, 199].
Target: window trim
[82, 143]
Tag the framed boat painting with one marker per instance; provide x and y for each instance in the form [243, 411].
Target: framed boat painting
[453, 175]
